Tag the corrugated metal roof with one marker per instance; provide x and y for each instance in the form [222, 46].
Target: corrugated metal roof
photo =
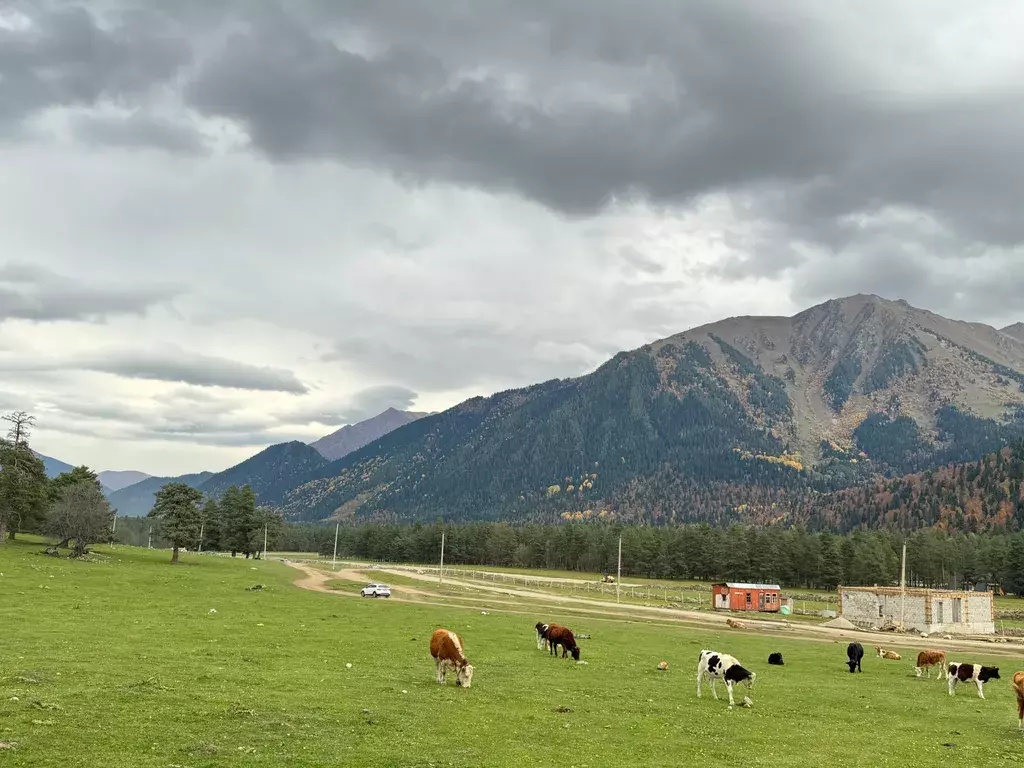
[740, 585]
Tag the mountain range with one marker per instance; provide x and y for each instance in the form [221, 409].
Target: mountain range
[753, 418]
[272, 472]
[352, 437]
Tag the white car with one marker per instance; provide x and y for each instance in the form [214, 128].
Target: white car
[376, 590]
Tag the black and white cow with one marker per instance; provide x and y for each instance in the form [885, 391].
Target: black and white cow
[542, 636]
[721, 666]
[963, 673]
[854, 652]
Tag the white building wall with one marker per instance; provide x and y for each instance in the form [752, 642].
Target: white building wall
[867, 609]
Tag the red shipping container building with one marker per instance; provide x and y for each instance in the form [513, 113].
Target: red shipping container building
[737, 596]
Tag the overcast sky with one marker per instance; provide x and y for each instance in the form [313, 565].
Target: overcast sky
[231, 223]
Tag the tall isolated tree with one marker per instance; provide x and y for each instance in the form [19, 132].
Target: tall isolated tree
[178, 514]
[238, 521]
[23, 499]
[83, 514]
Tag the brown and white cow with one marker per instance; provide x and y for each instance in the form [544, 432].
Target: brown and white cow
[928, 659]
[1018, 688]
[446, 648]
[562, 636]
[965, 673]
[884, 654]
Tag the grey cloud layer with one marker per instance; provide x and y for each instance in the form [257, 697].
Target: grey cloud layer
[175, 366]
[33, 293]
[575, 103]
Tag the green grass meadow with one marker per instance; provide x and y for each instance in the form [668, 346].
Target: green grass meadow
[121, 663]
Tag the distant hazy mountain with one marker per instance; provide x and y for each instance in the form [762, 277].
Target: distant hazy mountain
[354, 436]
[53, 466]
[1016, 330]
[136, 500]
[115, 479]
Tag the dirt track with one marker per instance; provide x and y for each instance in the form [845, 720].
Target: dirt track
[524, 601]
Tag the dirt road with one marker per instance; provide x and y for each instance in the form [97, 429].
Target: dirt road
[525, 601]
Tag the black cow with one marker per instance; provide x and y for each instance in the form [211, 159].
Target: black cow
[855, 651]
[776, 659]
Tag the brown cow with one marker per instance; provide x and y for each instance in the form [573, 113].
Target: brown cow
[735, 624]
[1018, 688]
[446, 648]
[929, 659]
[562, 636]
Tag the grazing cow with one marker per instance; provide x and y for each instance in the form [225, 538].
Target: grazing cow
[884, 654]
[855, 652]
[1018, 688]
[562, 636]
[446, 648]
[714, 666]
[542, 636]
[962, 673]
[735, 624]
[929, 659]
[776, 659]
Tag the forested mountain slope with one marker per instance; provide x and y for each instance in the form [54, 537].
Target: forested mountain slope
[742, 410]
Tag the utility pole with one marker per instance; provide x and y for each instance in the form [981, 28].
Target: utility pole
[265, 541]
[202, 527]
[440, 573]
[903, 585]
[150, 544]
[618, 573]
[334, 563]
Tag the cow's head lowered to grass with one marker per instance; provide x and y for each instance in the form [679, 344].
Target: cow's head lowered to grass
[464, 677]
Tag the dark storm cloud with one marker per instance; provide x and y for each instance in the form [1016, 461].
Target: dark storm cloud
[808, 117]
[175, 366]
[571, 104]
[59, 55]
[33, 293]
[687, 100]
[138, 130]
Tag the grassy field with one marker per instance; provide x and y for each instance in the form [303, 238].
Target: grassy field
[120, 662]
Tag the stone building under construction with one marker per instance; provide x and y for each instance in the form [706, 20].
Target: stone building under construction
[923, 610]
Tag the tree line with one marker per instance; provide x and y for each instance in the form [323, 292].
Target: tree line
[73, 509]
[791, 556]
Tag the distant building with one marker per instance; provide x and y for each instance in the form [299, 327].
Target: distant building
[924, 610]
[738, 596]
